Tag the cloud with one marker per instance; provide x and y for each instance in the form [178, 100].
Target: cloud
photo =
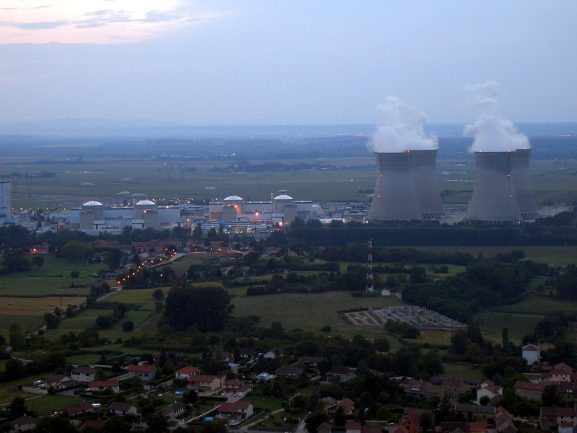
[94, 21]
[491, 131]
[400, 128]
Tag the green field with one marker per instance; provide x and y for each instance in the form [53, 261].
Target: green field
[310, 312]
[48, 404]
[554, 255]
[103, 178]
[520, 318]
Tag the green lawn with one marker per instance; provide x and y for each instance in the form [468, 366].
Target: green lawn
[48, 404]
[310, 312]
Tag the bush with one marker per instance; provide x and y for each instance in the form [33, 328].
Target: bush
[128, 326]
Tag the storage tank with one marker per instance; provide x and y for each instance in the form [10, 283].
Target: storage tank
[523, 185]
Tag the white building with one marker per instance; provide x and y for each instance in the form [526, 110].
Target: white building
[531, 354]
[93, 217]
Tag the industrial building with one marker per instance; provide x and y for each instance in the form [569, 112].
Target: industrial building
[406, 187]
[237, 214]
[5, 201]
[523, 185]
[94, 218]
[494, 196]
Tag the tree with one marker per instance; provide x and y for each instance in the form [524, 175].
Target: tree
[74, 251]
[128, 326]
[74, 274]
[157, 423]
[14, 369]
[51, 320]
[314, 420]
[112, 258]
[51, 424]
[205, 308]
[190, 397]
[37, 261]
[17, 407]
[158, 295]
[16, 337]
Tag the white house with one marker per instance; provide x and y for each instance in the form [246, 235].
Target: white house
[83, 374]
[531, 354]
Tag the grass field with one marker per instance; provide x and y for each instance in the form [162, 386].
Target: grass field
[103, 178]
[520, 318]
[48, 404]
[310, 312]
[556, 255]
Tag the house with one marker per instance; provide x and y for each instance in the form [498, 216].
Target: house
[173, 410]
[203, 383]
[235, 387]
[325, 427]
[185, 373]
[145, 372]
[465, 427]
[104, 385]
[311, 361]
[566, 427]
[489, 390]
[226, 357]
[504, 421]
[560, 373]
[340, 374]
[533, 391]
[411, 419]
[83, 374]
[58, 382]
[453, 387]
[531, 354]
[551, 417]
[353, 427]
[247, 353]
[567, 391]
[78, 409]
[475, 412]
[264, 377]
[24, 423]
[238, 410]
[346, 404]
[288, 371]
[422, 388]
[121, 408]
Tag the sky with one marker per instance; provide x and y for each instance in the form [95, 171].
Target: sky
[259, 62]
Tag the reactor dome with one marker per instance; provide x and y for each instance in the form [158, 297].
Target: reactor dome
[233, 198]
[283, 197]
[92, 203]
[145, 203]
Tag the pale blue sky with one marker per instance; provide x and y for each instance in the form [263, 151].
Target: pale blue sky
[283, 61]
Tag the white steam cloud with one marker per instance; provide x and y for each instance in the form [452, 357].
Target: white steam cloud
[491, 132]
[400, 128]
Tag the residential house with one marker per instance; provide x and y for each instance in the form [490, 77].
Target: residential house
[533, 391]
[83, 374]
[504, 421]
[121, 408]
[490, 390]
[78, 409]
[560, 373]
[552, 417]
[422, 388]
[288, 371]
[238, 410]
[346, 404]
[475, 412]
[465, 427]
[204, 383]
[104, 385]
[58, 382]
[145, 372]
[236, 388]
[311, 361]
[173, 410]
[187, 372]
[24, 423]
[531, 354]
[340, 374]
[411, 419]
[453, 387]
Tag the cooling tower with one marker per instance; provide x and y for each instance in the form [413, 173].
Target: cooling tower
[522, 183]
[425, 182]
[394, 197]
[494, 197]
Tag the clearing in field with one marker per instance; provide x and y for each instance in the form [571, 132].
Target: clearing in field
[417, 317]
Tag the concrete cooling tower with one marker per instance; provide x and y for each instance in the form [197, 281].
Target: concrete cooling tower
[494, 197]
[394, 197]
[522, 183]
[425, 182]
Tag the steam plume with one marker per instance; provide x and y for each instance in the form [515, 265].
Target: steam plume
[399, 129]
[491, 131]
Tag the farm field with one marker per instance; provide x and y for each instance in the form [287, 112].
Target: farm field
[310, 312]
[48, 404]
[103, 178]
[554, 255]
[520, 318]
